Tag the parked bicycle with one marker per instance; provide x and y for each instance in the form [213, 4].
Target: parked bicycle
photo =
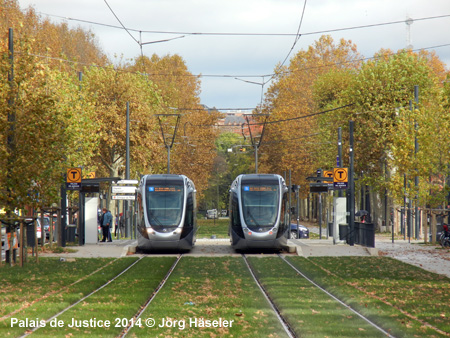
[444, 239]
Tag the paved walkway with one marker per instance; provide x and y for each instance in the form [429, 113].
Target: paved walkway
[116, 248]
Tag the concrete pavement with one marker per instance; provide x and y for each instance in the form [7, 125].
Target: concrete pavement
[216, 247]
[115, 249]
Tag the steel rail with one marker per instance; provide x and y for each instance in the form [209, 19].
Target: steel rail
[287, 328]
[158, 288]
[336, 299]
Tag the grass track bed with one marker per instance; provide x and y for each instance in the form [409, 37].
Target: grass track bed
[65, 290]
[399, 297]
[310, 312]
[211, 288]
[21, 286]
[120, 299]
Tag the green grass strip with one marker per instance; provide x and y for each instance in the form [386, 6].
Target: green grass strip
[405, 300]
[116, 303]
[211, 227]
[21, 286]
[202, 290]
[310, 312]
[71, 287]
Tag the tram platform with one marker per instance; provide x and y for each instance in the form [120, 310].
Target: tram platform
[216, 247]
[326, 247]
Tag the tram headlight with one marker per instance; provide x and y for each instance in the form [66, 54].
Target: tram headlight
[150, 231]
[177, 231]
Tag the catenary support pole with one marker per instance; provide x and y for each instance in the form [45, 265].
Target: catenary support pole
[416, 178]
[127, 171]
[351, 190]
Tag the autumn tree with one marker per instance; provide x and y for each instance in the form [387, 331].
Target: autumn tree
[51, 40]
[51, 129]
[385, 126]
[290, 138]
[108, 90]
[194, 149]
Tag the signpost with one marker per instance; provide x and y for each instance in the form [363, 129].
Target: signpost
[123, 197]
[73, 179]
[125, 192]
[340, 178]
[123, 189]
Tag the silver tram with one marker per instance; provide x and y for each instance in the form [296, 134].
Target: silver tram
[258, 212]
[166, 212]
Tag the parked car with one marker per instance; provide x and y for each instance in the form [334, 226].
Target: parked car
[46, 226]
[303, 232]
[211, 213]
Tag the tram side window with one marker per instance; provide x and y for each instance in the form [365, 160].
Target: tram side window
[284, 214]
[190, 211]
[236, 221]
[140, 209]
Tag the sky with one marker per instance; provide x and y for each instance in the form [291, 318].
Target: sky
[236, 68]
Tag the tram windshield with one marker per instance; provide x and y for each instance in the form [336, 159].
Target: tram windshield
[164, 204]
[260, 204]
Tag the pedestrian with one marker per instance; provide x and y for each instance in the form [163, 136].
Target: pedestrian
[109, 231]
[106, 223]
[122, 224]
[100, 218]
[116, 225]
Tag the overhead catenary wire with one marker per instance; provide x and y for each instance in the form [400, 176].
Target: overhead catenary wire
[123, 26]
[271, 75]
[271, 122]
[231, 76]
[243, 33]
[297, 37]
[234, 76]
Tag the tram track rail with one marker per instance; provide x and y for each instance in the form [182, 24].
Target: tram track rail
[153, 295]
[283, 321]
[367, 320]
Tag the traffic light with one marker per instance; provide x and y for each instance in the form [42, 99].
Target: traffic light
[319, 172]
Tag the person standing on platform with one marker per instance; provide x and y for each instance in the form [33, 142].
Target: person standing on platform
[107, 220]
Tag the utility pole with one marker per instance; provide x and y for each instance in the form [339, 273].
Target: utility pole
[351, 191]
[10, 140]
[416, 178]
[339, 159]
[127, 171]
